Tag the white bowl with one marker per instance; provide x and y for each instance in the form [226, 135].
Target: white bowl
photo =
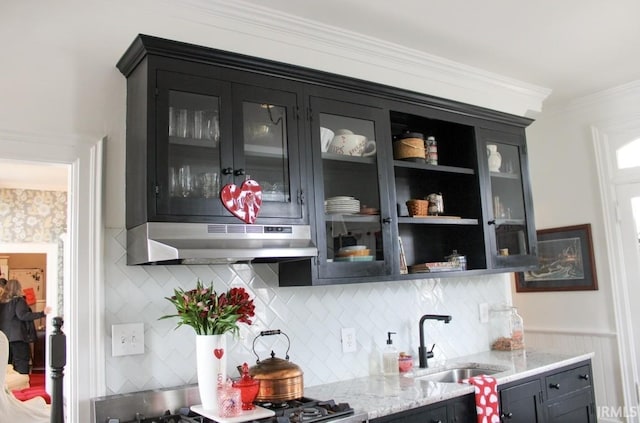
[354, 248]
[344, 132]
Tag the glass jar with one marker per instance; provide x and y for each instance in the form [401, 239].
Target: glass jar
[458, 259]
[507, 329]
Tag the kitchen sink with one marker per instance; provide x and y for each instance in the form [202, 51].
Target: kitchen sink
[457, 374]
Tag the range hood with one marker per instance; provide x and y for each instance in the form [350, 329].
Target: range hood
[204, 243]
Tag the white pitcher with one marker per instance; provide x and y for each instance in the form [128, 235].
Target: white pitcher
[495, 158]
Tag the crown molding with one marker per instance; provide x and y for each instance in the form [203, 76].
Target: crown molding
[304, 42]
[599, 97]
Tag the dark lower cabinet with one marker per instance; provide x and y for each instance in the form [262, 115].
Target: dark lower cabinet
[563, 395]
[521, 403]
[455, 410]
[577, 408]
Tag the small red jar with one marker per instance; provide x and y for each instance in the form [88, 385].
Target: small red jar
[248, 388]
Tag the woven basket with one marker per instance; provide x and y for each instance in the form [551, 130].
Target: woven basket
[418, 207]
[409, 148]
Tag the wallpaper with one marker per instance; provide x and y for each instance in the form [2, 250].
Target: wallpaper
[35, 216]
[32, 216]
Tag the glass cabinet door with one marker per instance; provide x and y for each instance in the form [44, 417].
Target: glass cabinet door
[266, 148]
[352, 208]
[190, 128]
[510, 206]
[212, 133]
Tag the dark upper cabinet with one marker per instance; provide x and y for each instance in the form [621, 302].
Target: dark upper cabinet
[508, 204]
[192, 118]
[458, 226]
[353, 216]
[200, 118]
[200, 127]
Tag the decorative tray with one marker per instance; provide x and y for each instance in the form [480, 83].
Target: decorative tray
[434, 267]
[245, 416]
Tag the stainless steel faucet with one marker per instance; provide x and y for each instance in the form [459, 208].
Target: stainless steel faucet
[423, 354]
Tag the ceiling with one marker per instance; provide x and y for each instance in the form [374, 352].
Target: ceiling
[38, 176]
[574, 47]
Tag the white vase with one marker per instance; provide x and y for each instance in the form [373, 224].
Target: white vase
[211, 358]
[495, 158]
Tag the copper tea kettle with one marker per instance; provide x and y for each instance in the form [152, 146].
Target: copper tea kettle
[280, 379]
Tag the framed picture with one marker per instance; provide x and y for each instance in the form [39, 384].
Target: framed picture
[565, 262]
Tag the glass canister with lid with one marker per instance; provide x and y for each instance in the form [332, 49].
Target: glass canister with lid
[507, 328]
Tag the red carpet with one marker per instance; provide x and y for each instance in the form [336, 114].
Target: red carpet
[36, 380]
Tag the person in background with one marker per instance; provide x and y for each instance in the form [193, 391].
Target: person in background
[13, 311]
[3, 283]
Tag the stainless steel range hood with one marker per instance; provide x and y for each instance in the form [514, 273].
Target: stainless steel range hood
[204, 243]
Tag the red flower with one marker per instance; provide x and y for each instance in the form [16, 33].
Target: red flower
[212, 314]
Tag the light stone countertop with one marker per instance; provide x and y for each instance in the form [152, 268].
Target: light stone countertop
[380, 395]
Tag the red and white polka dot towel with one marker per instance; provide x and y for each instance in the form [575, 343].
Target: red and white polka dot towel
[487, 406]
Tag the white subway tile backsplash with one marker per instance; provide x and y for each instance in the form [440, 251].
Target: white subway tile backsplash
[311, 316]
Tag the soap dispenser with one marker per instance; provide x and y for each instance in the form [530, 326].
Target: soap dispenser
[390, 357]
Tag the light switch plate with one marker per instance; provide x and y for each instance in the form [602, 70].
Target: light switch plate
[348, 337]
[127, 339]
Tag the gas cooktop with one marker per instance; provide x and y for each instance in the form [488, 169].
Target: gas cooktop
[156, 407]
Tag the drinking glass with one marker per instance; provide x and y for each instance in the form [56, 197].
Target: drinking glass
[174, 183]
[210, 185]
[184, 176]
[199, 128]
[181, 123]
[172, 121]
[212, 127]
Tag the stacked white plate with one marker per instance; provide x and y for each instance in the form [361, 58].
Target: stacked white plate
[342, 205]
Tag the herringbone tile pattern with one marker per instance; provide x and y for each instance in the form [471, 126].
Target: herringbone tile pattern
[311, 316]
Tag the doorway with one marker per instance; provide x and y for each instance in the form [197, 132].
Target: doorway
[82, 261]
[617, 146]
[628, 196]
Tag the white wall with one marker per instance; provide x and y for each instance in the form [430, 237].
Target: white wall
[59, 74]
[566, 192]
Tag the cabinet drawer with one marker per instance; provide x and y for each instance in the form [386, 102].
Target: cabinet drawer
[563, 383]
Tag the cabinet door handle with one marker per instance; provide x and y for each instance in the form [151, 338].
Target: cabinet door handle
[584, 377]
[506, 415]
[239, 172]
[227, 171]
[491, 222]
[386, 220]
[554, 385]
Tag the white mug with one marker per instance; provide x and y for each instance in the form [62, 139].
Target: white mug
[352, 145]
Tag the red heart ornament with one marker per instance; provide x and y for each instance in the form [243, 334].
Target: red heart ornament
[244, 202]
[218, 352]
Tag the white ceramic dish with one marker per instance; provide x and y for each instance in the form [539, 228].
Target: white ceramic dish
[340, 197]
[344, 132]
[245, 416]
[354, 258]
[354, 248]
